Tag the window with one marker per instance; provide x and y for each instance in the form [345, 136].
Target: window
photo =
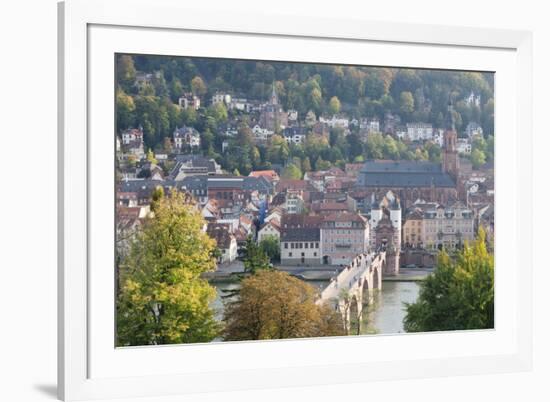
[291, 245]
[286, 245]
[316, 245]
[290, 254]
[315, 254]
[307, 245]
[303, 254]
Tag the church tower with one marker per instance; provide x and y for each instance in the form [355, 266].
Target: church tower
[450, 153]
[274, 100]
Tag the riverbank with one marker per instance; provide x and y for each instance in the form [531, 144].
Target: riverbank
[229, 273]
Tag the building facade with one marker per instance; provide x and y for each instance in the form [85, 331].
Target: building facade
[300, 246]
[343, 237]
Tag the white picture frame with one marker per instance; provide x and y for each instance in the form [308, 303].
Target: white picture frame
[90, 31]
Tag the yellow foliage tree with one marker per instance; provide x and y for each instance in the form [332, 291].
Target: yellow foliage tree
[163, 298]
[275, 305]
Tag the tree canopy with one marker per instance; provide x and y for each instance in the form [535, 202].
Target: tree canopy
[274, 305]
[458, 295]
[162, 297]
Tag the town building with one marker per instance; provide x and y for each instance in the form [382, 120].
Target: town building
[300, 246]
[464, 146]
[419, 131]
[272, 116]
[335, 121]
[473, 99]
[193, 165]
[385, 224]
[295, 135]
[270, 175]
[270, 229]
[344, 235]
[473, 130]
[186, 138]
[411, 180]
[221, 98]
[132, 142]
[225, 242]
[447, 227]
[189, 101]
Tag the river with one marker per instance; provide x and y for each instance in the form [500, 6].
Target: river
[384, 317]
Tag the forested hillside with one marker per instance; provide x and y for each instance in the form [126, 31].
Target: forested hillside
[415, 95]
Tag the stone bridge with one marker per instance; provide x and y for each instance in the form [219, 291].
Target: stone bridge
[354, 286]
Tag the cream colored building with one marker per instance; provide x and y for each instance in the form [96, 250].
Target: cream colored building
[447, 227]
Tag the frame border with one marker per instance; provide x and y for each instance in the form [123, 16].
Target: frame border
[74, 16]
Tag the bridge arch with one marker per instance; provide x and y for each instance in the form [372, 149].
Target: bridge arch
[376, 275]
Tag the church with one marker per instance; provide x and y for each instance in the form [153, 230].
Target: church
[411, 180]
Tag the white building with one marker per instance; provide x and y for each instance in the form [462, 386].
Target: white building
[335, 121]
[463, 146]
[447, 227]
[473, 99]
[186, 137]
[370, 125]
[300, 246]
[294, 203]
[419, 131]
[189, 101]
[292, 115]
[221, 98]
[261, 134]
[225, 242]
[269, 229]
[473, 130]
[131, 135]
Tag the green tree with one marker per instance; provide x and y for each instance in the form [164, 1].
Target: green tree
[334, 105]
[125, 71]
[477, 157]
[254, 257]
[151, 157]
[270, 246]
[275, 305]
[306, 165]
[163, 298]
[291, 171]
[459, 294]
[406, 102]
[125, 110]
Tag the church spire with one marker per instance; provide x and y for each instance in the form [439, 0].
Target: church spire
[450, 120]
[274, 98]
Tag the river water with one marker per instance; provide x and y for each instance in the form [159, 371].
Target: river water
[385, 316]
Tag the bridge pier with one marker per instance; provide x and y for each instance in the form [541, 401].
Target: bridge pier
[354, 287]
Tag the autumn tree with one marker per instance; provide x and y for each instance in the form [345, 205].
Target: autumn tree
[334, 105]
[125, 110]
[163, 299]
[198, 86]
[275, 305]
[459, 294]
[125, 71]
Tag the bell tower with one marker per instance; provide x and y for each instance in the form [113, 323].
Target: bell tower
[450, 153]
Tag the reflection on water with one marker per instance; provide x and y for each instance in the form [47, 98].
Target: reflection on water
[388, 313]
[385, 316]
